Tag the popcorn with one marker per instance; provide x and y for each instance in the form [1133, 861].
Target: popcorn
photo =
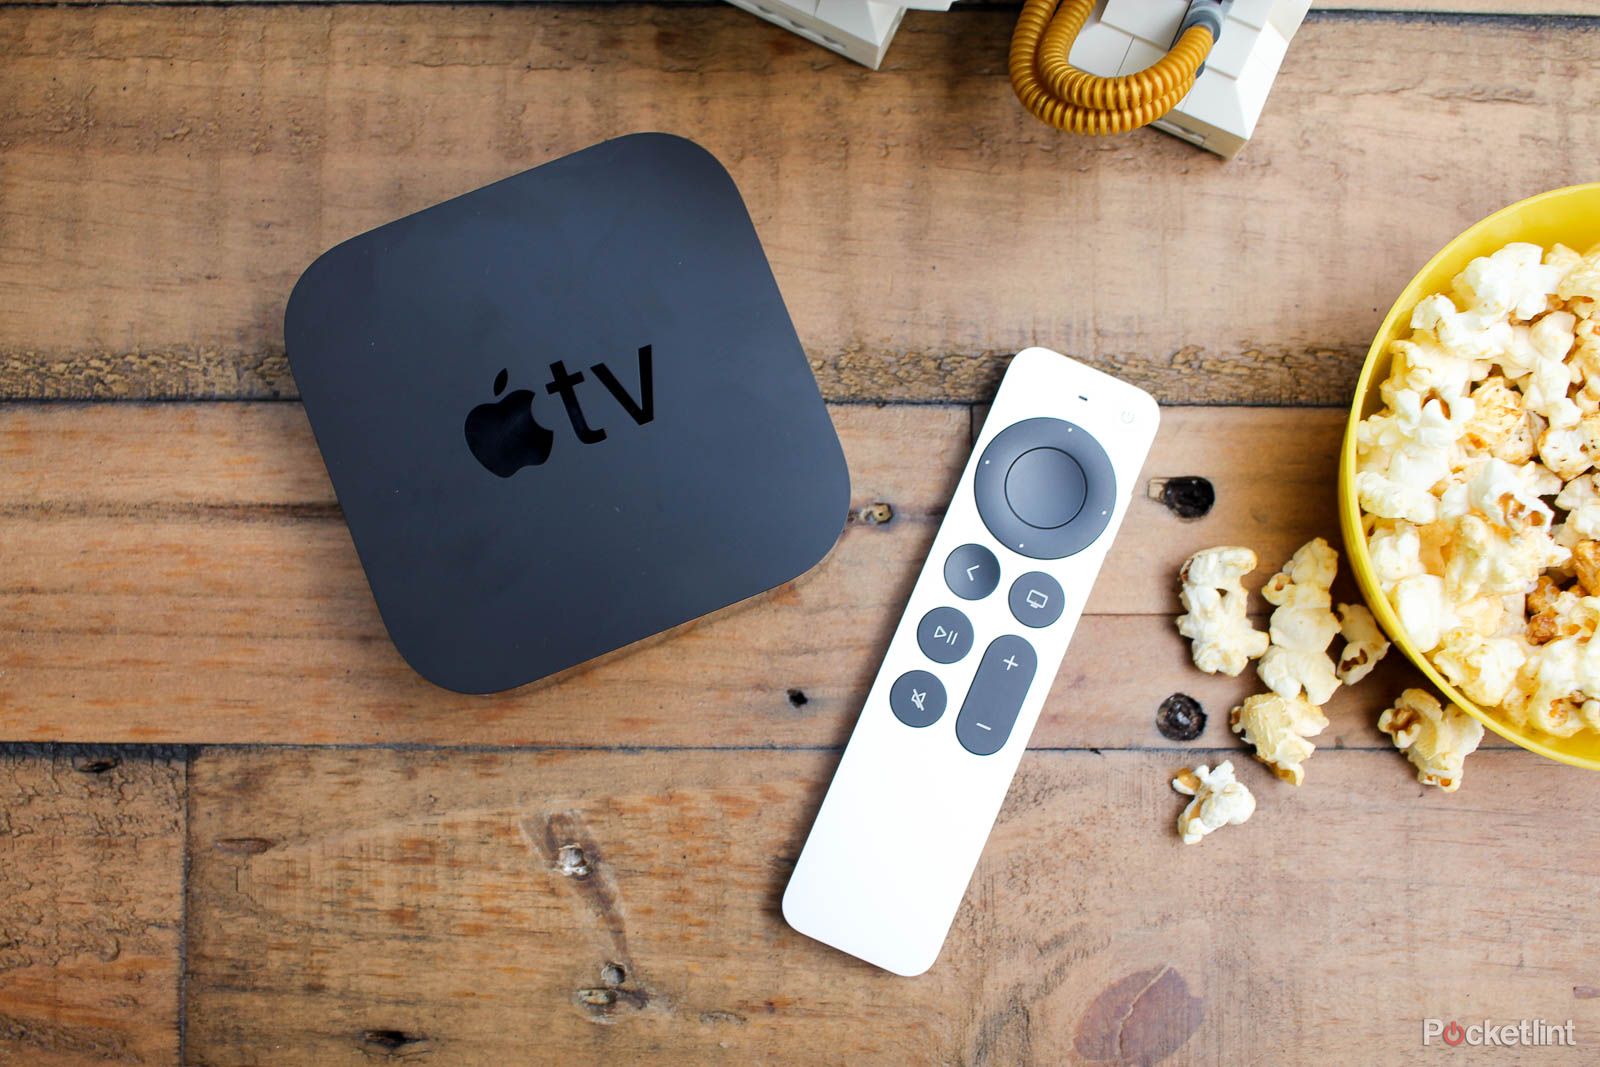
[1219, 800]
[1278, 728]
[1586, 562]
[1582, 279]
[1581, 500]
[1425, 612]
[1437, 740]
[1480, 485]
[1549, 691]
[1301, 627]
[1424, 366]
[1513, 281]
[1543, 349]
[1566, 613]
[1215, 606]
[1396, 552]
[1484, 668]
[1585, 364]
[1499, 425]
[1484, 560]
[1364, 643]
[1473, 333]
[1403, 455]
[1568, 453]
[1507, 496]
[1565, 260]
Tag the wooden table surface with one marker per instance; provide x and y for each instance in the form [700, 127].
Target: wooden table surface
[235, 829]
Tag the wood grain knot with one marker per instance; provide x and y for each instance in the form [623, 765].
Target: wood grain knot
[572, 861]
[602, 1004]
[874, 514]
[1141, 1019]
[96, 764]
[394, 1044]
[243, 846]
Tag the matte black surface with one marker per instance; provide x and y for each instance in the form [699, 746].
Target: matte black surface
[917, 698]
[944, 635]
[1036, 599]
[612, 315]
[971, 572]
[1018, 470]
[996, 696]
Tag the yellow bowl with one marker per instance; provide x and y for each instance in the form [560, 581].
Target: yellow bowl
[1570, 216]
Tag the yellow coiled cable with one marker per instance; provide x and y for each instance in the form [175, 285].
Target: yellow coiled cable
[1075, 100]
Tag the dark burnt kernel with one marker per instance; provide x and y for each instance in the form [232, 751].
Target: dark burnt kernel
[1189, 497]
[1180, 718]
[798, 698]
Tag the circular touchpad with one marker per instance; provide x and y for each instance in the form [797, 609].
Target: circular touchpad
[1045, 488]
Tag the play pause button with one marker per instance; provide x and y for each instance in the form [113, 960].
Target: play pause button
[944, 635]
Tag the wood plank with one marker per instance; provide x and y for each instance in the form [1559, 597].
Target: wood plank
[91, 904]
[181, 572]
[169, 170]
[345, 903]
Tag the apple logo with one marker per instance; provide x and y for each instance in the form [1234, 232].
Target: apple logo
[504, 436]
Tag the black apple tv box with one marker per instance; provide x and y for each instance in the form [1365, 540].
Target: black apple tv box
[565, 412]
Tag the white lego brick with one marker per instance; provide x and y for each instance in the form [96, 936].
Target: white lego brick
[1215, 101]
[1155, 21]
[1233, 48]
[801, 17]
[1287, 15]
[1123, 36]
[1252, 12]
[1100, 49]
[1221, 111]
[1141, 54]
[1259, 72]
[865, 19]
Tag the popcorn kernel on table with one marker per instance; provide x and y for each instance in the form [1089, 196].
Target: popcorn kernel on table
[1302, 625]
[1436, 739]
[1219, 800]
[1364, 643]
[1216, 607]
[1278, 729]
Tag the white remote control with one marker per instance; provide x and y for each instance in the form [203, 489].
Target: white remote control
[945, 723]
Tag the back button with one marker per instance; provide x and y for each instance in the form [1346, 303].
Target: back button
[971, 572]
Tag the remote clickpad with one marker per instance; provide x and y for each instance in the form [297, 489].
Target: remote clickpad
[967, 671]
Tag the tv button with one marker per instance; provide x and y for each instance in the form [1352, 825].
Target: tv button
[971, 572]
[944, 635]
[1036, 599]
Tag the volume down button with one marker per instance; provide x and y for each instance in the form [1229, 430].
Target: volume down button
[996, 696]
